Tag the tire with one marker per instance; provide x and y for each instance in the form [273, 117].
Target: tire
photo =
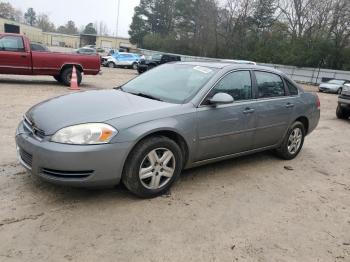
[286, 150]
[341, 113]
[111, 65]
[58, 78]
[150, 67]
[66, 75]
[340, 90]
[134, 66]
[157, 180]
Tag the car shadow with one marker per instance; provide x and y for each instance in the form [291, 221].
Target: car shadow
[37, 82]
[121, 194]
[28, 82]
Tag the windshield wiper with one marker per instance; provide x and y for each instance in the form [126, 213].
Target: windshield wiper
[119, 88]
[147, 96]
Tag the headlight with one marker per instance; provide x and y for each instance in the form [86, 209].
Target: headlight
[85, 134]
[346, 88]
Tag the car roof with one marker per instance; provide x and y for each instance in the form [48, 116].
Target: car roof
[230, 65]
[11, 34]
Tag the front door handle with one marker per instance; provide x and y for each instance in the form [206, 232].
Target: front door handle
[289, 105]
[249, 110]
[23, 56]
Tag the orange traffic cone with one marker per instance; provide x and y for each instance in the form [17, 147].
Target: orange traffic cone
[74, 80]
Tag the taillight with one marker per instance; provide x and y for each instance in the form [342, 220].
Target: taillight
[318, 102]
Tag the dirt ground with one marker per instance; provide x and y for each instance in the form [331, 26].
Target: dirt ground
[247, 209]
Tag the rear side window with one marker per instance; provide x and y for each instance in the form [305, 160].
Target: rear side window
[269, 85]
[37, 47]
[293, 90]
[11, 43]
[236, 84]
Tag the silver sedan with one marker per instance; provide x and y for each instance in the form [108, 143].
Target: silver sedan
[176, 116]
[333, 86]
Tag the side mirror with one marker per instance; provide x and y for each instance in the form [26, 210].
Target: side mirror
[221, 99]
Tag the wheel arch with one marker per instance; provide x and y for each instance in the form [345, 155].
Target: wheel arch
[305, 121]
[169, 133]
[77, 66]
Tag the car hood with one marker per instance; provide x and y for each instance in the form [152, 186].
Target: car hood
[88, 107]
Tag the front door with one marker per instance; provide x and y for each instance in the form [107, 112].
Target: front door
[227, 129]
[13, 58]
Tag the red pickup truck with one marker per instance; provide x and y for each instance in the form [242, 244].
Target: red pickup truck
[18, 58]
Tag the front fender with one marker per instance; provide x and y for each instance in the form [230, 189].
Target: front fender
[181, 125]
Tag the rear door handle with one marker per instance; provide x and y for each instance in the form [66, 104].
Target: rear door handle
[249, 110]
[289, 105]
[23, 56]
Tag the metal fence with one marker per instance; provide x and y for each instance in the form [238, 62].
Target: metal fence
[299, 74]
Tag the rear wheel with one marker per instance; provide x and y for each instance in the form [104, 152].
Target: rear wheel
[58, 78]
[342, 113]
[66, 76]
[293, 142]
[152, 167]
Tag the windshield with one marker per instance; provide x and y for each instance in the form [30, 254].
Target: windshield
[156, 57]
[173, 83]
[338, 82]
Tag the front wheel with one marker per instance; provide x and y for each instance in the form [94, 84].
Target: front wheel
[340, 90]
[152, 167]
[341, 113]
[293, 142]
[134, 66]
[111, 65]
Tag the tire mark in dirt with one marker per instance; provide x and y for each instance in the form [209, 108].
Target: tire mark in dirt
[8, 221]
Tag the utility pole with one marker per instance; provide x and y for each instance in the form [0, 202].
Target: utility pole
[118, 7]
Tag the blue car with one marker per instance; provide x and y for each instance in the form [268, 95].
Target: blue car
[122, 59]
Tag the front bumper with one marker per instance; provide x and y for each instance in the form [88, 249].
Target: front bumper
[344, 99]
[73, 165]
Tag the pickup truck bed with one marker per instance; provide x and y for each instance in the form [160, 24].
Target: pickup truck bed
[17, 58]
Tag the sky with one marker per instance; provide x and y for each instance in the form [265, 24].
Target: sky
[83, 12]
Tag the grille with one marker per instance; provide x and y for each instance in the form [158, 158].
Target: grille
[26, 157]
[67, 174]
[36, 132]
[345, 96]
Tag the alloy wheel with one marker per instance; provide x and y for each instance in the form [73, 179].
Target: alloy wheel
[157, 168]
[294, 141]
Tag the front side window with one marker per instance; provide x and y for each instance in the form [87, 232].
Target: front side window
[11, 43]
[173, 83]
[236, 84]
[269, 85]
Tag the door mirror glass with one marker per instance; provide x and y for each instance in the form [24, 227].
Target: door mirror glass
[221, 99]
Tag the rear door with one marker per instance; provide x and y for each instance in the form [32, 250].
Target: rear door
[13, 57]
[274, 109]
[227, 129]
